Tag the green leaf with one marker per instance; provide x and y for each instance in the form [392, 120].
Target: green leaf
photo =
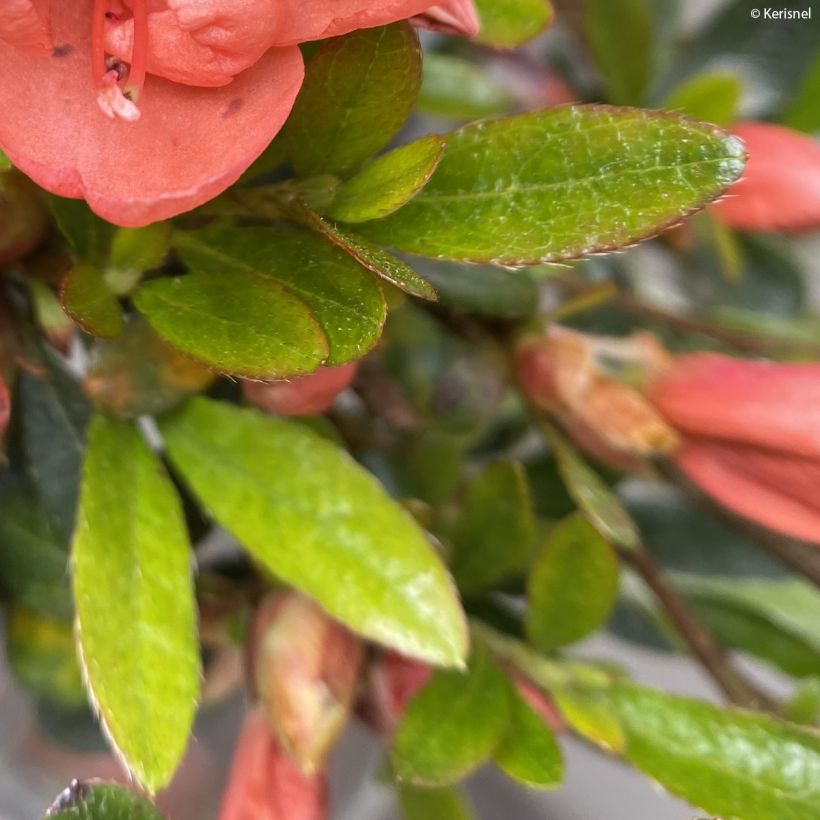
[509, 23]
[432, 804]
[88, 235]
[90, 302]
[318, 521]
[560, 184]
[620, 37]
[375, 259]
[492, 538]
[804, 705]
[453, 87]
[135, 250]
[452, 725]
[529, 752]
[388, 182]
[712, 96]
[736, 764]
[101, 801]
[803, 112]
[590, 493]
[5, 162]
[345, 299]
[358, 92]
[136, 613]
[572, 587]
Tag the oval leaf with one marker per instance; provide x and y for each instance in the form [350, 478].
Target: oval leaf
[136, 614]
[509, 23]
[452, 725]
[101, 801]
[321, 523]
[452, 87]
[90, 302]
[432, 804]
[712, 96]
[572, 586]
[537, 187]
[389, 182]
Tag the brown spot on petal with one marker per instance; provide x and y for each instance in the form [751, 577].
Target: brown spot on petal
[231, 108]
[64, 50]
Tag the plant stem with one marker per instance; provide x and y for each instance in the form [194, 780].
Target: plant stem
[714, 658]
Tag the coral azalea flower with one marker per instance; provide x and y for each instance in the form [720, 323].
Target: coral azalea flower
[148, 108]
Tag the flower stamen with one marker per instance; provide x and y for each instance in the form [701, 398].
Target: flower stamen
[139, 52]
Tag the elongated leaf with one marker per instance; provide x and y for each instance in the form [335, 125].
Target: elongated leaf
[452, 725]
[529, 751]
[90, 302]
[345, 299]
[314, 518]
[358, 92]
[135, 606]
[509, 23]
[101, 801]
[572, 585]
[560, 184]
[389, 182]
[712, 96]
[375, 259]
[418, 803]
[493, 536]
[235, 322]
[452, 87]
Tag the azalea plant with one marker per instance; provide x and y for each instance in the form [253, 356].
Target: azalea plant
[321, 381]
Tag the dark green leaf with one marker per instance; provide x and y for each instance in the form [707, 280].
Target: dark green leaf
[418, 803]
[712, 97]
[452, 725]
[101, 801]
[529, 751]
[135, 606]
[358, 92]
[509, 23]
[320, 522]
[492, 538]
[90, 302]
[345, 299]
[539, 187]
[804, 113]
[88, 235]
[388, 182]
[375, 259]
[452, 87]
[572, 585]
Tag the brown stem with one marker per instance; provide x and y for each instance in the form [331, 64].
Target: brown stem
[714, 658]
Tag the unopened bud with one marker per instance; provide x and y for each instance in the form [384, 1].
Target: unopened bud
[394, 680]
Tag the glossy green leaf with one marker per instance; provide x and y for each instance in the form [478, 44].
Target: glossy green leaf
[236, 322]
[419, 803]
[590, 493]
[803, 112]
[560, 184]
[88, 235]
[317, 520]
[453, 87]
[621, 38]
[358, 92]
[529, 752]
[133, 591]
[345, 299]
[509, 23]
[572, 585]
[735, 764]
[375, 259]
[712, 97]
[90, 302]
[452, 725]
[492, 539]
[101, 801]
[388, 182]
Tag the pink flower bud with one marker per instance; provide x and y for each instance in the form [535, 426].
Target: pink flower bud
[305, 669]
[302, 396]
[751, 436]
[265, 784]
[394, 680]
[538, 700]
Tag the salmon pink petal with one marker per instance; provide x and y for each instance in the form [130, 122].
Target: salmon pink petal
[780, 188]
[763, 403]
[451, 17]
[24, 24]
[189, 144]
[743, 486]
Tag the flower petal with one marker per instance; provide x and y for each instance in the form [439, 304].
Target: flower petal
[451, 17]
[780, 187]
[189, 144]
[24, 24]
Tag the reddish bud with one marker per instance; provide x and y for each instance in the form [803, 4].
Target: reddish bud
[751, 436]
[265, 784]
[538, 700]
[780, 188]
[303, 396]
[394, 680]
[5, 407]
[306, 667]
